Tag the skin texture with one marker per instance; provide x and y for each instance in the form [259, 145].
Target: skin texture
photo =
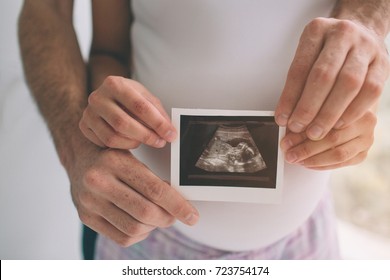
[337, 74]
[335, 81]
[116, 194]
[340, 147]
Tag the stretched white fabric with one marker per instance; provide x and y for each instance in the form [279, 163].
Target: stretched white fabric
[225, 54]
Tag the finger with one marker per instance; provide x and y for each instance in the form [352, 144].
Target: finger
[319, 84]
[369, 94]
[154, 189]
[101, 225]
[105, 133]
[348, 84]
[153, 99]
[136, 205]
[292, 139]
[141, 107]
[122, 220]
[339, 155]
[356, 160]
[309, 47]
[107, 186]
[310, 148]
[111, 138]
[90, 135]
[124, 124]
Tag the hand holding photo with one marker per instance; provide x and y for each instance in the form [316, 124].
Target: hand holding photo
[224, 155]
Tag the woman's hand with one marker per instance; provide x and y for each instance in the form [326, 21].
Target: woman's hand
[340, 147]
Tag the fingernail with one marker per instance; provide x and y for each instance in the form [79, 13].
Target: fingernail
[339, 124]
[315, 132]
[291, 157]
[282, 119]
[170, 136]
[192, 218]
[296, 127]
[286, 144]
[160, 143]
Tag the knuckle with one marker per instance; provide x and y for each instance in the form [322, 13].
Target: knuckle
[140, 107]
[154, 191]
[315, 26]
[341, 154]
[113, 82]
[374, 88]
[94, 179]
[147, 213]
[322, 74]
[91, 177]
[160, 125]
[120, 123]
[368, 42]
[93, 98]
[149, 137]
[133, 144]
[351, 80]
[305, 151]
[346, 26]
[111, 140]
[134, 229]
[179, 209]
[372, 118]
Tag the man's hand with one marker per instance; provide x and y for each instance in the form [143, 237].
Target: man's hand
[340, 147]
[122, 114]
[337, 74]
[119, 197]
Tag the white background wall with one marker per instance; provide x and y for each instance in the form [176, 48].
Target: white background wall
[37, 217]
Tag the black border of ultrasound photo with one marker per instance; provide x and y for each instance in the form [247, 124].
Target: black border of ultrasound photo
[200, 174]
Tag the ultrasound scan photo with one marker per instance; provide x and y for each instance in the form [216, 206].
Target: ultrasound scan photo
[227, 155]
[232, 149]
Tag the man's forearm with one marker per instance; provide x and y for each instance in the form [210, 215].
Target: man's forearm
[54, 69]
[374, 14]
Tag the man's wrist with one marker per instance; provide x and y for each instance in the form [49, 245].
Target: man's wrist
[71, 146]
[374, 15]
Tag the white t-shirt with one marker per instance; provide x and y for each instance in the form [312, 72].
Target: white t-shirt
[225, 54]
